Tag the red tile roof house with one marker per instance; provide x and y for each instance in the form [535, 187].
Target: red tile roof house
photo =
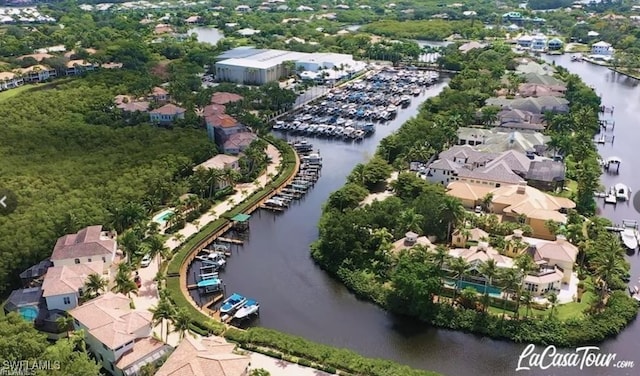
[10, 80]
[237, 143]
[166, 114]
[118, 336]
[63, 285]
[224, 126]
[88, 245]
[159, 95]
[225, 98]
[129, 104]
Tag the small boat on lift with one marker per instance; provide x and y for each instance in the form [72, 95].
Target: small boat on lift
[623, 193]
[232, 303]
[249, 308]
[629, 234]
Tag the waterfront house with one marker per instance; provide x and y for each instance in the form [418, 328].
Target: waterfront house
[238, 142]
[497, 141]
[538, 90]
[524, 41]
[118, 336]
[602, 49]
[37, 73]
[519, 120]
[542, 79]
[160, 29]
[555, 44]
[221, 162]
[207, 356]
[481, 253]
[224, 126]
[10, 80]
[63, 285]
[538, 105]
[513, 203]
[546, 175]
[530, 66]
[87, 245]
[539, 43]
[166, 114]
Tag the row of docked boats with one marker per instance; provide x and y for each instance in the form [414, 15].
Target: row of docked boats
[350, 112]
[306, 177]
[238, 307]
[213, 259]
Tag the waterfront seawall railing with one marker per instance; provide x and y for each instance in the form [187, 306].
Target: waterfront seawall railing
[176, 283]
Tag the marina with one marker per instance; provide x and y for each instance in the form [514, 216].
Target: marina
[350, 112]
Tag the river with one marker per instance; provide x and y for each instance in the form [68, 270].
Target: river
[296, 297]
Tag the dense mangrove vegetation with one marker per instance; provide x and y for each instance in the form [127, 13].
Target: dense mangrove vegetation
[355, 242]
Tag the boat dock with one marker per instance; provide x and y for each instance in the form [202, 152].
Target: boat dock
[230, 240]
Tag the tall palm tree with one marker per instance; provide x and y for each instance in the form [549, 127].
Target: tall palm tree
[162, 313]
[123, 283]
[511, 281]
[526, 298]
[155, 246]
[607, 265]
[452, 212]
[460, 267]
[553, 300]
[65, 323]
[181, 322]
[489, 269]
[411, 221]
[440, 258]
[95, 285]
[487, 200]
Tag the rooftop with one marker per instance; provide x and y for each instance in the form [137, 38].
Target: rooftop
[69, 279]
[222, 98]
[220, 162]
[169, 109]
[110, 319]
[90, 241]
[209, 356]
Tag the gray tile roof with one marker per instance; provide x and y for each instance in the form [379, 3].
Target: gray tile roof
[546, 171]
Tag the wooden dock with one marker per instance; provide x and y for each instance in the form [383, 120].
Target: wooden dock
[230, 240]
[273, 208]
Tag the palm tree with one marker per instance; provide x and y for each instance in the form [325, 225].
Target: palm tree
[489, 269]
[181, 322]
[607, 265]
[162, 313]
[526, 298]
[123, 283]
[121, 218]
[178, 237]
[95, 284]
[260, 372]
[452, 213]
[411, 221]
[155, 246]
[440, 258]
[553, 300]
[460, 267]
[65, 323]
[511, 283]
[487, 200]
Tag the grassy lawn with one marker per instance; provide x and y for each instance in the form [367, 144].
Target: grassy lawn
[570, 187]
[4, 95]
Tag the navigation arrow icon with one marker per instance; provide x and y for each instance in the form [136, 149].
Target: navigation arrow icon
[2, 201]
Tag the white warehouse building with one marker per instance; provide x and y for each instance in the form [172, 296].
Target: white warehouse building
[248, 65]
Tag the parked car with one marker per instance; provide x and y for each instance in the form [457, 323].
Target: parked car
[146, 261]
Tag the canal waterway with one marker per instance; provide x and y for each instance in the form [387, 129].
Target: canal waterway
[274, 266]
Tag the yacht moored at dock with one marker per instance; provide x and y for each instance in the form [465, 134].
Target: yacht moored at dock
[232, 303]
[249, 308]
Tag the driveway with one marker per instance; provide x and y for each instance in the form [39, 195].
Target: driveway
[279, 367]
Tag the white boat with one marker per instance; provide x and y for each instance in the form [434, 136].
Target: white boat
[249, 308]
[623, 193]
[232, 303]
[629, 234]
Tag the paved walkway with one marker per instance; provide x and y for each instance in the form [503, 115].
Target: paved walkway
[148, 293]
[278, 367]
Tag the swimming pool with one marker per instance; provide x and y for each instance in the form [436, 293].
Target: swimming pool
[162, 217]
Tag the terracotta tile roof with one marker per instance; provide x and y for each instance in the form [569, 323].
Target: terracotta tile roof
[111, 65]
[90, 51]
[220, 161]
[213, 109]
[169, 109]
[222, 120]
[82, 63]
[68, 279]
[239, 140]
[87, 242]
[34, 68]
[110, 319]
[224, 98]
[158, 91]
[142, 349]
[209, 356]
